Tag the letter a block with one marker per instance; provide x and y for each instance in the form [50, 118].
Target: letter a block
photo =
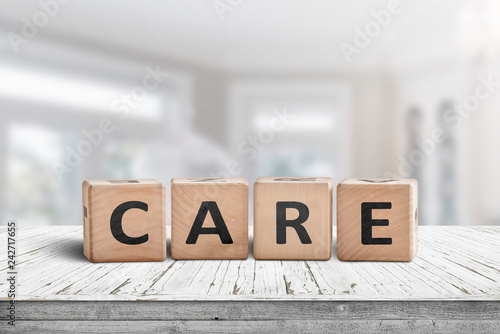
[209, 218]
[377, 220]
[124, 220]
[293, 218]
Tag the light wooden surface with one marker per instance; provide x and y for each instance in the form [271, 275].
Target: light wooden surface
[143, 220]
[454, 263]
[228, 196]
[306, 205]
[452, 286]
[392, 208]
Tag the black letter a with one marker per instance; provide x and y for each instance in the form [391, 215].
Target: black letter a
[220, 226]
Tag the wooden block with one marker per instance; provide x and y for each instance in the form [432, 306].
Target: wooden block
[377, 220]
[209, 218]
[124, 220]
[293, 218]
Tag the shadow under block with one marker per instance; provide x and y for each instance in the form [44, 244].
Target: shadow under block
[293, 218]
[209, 218]
[377, 220]
[124, 220]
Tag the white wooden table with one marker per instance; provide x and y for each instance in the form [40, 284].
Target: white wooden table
[452, 286]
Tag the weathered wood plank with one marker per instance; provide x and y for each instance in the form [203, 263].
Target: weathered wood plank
[272, 326]
[454, 263]
[253, 310]
[238, 279]
[298, 278]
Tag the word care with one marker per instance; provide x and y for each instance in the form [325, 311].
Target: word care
[124, 220]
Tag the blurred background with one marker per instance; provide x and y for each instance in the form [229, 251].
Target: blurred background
[162, 89]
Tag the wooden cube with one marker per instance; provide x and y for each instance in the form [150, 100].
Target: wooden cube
[209, 218]
[377, 220]
[124, 220]
[292, 218]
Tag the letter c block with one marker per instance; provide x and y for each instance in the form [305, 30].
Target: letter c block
[293, 218]
[124, 220]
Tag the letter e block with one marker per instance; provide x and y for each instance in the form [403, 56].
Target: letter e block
[377, 220]
[124, 220]
[292, 218]
[209, 218]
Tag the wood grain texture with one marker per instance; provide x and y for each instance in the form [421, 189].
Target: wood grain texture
[101, 198]
[271, 326]
[316, 195]
[229, 196]
[453, 264]
[399, 199]
[452, 286]
[255, 310]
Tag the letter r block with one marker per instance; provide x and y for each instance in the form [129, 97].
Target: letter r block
[124, 220]
[292, 218]
[209, 218]
[377, 220]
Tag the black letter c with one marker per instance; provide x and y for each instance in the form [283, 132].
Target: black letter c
[116, 223]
